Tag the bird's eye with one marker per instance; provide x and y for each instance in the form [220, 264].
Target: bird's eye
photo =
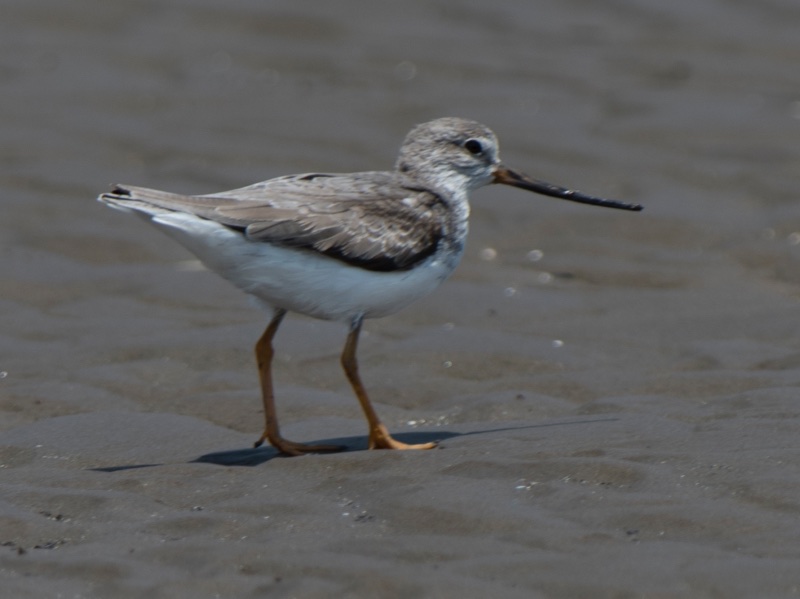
[473, 146]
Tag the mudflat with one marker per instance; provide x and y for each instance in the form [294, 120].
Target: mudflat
[615, 395]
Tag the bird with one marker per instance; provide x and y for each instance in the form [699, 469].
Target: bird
[343, 247]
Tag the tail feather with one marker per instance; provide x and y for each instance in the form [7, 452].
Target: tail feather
[128, 199]
[154, 201]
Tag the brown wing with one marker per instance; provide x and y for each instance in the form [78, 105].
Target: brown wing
[365, 219]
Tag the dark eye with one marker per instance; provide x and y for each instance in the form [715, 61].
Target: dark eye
[473, 146]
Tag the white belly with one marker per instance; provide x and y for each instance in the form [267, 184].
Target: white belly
[302, 280]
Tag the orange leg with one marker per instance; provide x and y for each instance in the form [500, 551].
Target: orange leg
[379, 437]
[264, 354]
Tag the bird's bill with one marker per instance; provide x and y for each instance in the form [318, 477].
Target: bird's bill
[508, 177]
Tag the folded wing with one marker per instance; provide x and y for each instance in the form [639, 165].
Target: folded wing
[364, 219]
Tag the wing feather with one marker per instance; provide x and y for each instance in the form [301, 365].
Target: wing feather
[365, 219]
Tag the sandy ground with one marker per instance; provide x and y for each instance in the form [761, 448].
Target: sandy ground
[615, 394]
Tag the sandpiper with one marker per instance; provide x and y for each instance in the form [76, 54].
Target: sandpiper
[343, 247]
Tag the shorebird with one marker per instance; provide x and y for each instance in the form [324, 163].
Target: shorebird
[342, 247]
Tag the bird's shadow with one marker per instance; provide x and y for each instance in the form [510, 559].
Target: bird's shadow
[257, 456]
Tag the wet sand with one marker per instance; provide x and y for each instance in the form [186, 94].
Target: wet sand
[615, 395]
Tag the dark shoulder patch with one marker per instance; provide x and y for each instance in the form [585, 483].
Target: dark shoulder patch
[313, 176]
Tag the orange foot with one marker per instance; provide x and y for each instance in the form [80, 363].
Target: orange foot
[292, 448]
[379, 438]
